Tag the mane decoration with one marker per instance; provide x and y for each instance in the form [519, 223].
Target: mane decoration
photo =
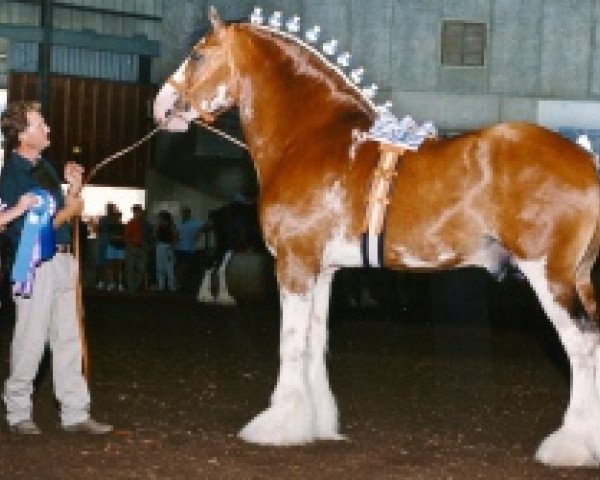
[387, 128]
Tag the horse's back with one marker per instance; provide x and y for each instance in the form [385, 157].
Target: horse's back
[517, 182]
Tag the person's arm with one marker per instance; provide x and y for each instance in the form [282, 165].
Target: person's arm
[73, 203]
[73, 208]
[24, 203]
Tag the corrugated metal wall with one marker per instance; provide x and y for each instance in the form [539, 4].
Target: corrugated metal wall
[76, 61]
[99, 22]
[125, 18]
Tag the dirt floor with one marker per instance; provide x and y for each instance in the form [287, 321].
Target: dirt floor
[419, 399]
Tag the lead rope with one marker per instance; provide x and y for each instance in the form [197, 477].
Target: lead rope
[85, 363]
[221, 133]
[76, 244]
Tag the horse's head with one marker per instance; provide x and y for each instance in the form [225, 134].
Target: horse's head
[204, 85]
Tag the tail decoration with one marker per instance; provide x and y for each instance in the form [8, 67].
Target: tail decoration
[37, 243]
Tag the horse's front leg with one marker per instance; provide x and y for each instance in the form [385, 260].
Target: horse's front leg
[205, 290]
[224, 297]
[290, 418]
[326, 412]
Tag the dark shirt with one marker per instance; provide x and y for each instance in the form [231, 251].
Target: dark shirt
[164, 234]
[20, 176]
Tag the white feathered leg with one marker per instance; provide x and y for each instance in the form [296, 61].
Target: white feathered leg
[577, 442]
[224, 297]
[205, 292]
[326, 412]
[289, 420]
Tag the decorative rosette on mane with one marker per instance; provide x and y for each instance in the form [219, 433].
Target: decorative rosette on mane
[405, 133]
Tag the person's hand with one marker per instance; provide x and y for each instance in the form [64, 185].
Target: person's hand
[26, 201]
[73, 208]
[73, 174]
[74, 205]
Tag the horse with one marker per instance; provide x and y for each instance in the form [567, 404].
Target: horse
[511, 192]
[235, 229]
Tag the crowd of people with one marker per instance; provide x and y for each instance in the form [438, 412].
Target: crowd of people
[140, 255]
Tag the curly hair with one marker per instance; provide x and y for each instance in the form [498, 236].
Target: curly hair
[14, 121]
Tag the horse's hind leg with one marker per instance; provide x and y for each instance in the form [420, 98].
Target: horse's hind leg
[577, 441]
[289, 419]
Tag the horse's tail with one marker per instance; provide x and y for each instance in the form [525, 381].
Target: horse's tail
[584, 142]
[583, 281]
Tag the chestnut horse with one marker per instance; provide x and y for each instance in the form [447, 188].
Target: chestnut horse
[511, 192]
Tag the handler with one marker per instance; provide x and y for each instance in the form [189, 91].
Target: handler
[48, 313]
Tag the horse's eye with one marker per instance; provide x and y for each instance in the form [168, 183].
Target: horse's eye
[196, 56]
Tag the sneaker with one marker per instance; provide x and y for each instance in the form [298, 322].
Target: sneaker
[88, 426]
[25, 427]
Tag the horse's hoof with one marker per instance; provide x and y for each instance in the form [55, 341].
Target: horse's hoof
[333, 436]
[289, 423]
[205, 299]
[226, 301]
[566, 449]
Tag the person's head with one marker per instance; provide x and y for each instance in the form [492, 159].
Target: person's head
[111, 208]
[186, 213]
[137, 210]
[164, 217]
[24, 128]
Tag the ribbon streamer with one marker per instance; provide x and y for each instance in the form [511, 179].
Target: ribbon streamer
[37, 242]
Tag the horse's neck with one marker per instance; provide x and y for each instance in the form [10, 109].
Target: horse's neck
[288, 99]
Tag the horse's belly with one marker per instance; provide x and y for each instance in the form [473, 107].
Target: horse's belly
[421, 238]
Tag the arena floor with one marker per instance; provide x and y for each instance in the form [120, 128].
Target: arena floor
[419, 398]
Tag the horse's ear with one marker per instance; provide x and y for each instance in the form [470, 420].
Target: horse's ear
[215, 20]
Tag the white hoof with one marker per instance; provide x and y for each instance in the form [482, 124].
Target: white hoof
[284, 423]
[566, 449]
[225, 300]
[205, 298]
[332, 436]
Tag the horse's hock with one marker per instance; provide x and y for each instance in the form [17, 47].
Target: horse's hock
[250, 276]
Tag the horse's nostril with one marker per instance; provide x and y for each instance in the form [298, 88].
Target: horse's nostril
[187, 107]
[168, 112]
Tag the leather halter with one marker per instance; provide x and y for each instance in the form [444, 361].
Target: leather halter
[187, 93]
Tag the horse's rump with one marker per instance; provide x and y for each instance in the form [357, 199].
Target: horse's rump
[518, 183]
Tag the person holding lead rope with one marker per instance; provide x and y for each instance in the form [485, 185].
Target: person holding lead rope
[44, 276]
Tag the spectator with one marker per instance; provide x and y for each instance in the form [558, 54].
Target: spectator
[115, 252]
[150, 249]
[103, 234]
[166, 236]
[186, 249]
[135, 253]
